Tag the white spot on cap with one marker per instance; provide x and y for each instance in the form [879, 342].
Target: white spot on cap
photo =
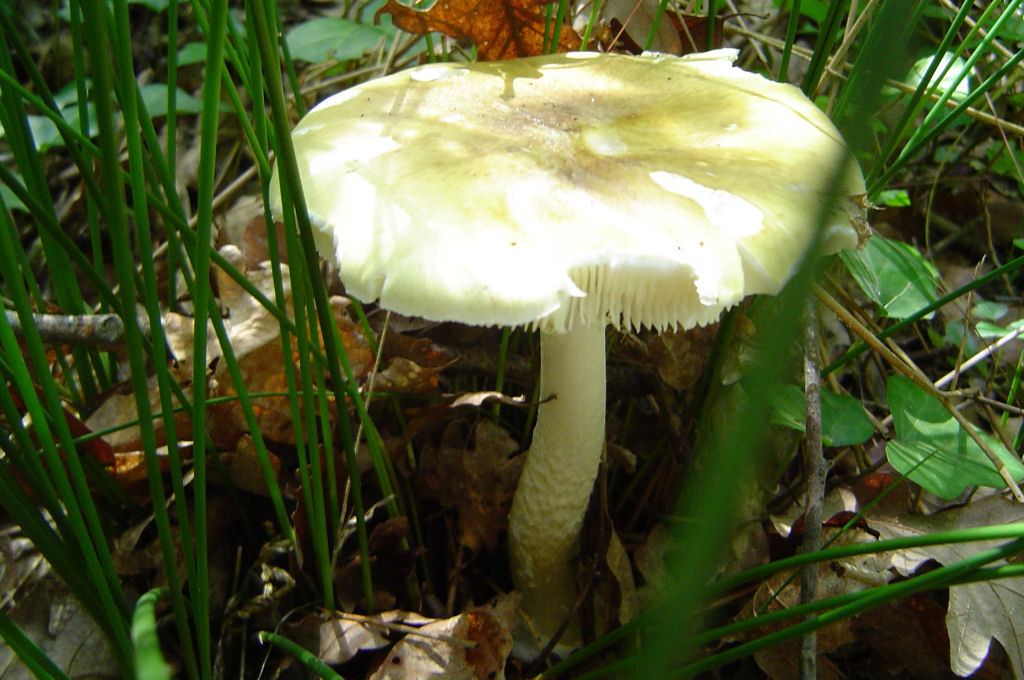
[352, 150]
[452, 118]
[428, 74]
[732, 214]
[604, 142]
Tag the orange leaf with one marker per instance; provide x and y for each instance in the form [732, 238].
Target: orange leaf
[500, 29]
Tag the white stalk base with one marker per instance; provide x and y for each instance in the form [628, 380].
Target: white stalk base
[554, 490]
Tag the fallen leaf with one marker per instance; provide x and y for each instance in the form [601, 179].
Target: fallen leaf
[119, 408]
[403, 376]
[392, 563]
[500, 29]
[977, 612]
[680, 356]
[345, 635]
[478, 399]
[909, 635]
[50, 616]
[782, 661]
[479, 482]
[474, 644]
[243, 467]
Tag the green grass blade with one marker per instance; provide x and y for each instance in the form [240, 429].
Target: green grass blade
[202, 299]
[65, 471]
[35, 660]
[308, 659]
[149, 660]
[340, 374]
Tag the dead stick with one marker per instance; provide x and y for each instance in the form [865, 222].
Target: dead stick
[914, 373]
[814, 466]
[74, 329]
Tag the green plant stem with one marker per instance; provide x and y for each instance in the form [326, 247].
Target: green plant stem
[149, 660]
[787, 51]
[912, 372]
[35, 660]
[215, 43]
[870, 599]
[308, 659]
[291, 186]
[980, 281]
[157, 349]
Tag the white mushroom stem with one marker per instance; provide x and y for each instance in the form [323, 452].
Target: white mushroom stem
[554, 490]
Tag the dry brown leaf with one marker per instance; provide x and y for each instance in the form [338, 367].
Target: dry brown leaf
[479, 482]
[474, 644]
[403, 376]
[243, 467]
[343, 638]
[680, 356]
[977, 612]
[782, 661]
[909, 634]
[500, 29]
[392, 563]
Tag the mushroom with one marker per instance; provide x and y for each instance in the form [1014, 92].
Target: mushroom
[567, 193]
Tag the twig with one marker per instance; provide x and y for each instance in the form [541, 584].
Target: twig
[945, 380]
[103, 330]
[915, 374]
[373, 622]
[814, 464]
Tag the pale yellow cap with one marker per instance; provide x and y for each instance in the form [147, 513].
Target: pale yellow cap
[638, 191]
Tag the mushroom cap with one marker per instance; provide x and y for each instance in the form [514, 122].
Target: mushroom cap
[582, 187]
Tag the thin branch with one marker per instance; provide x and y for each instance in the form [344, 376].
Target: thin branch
[814, 465]
[102, 330]
[915, 374]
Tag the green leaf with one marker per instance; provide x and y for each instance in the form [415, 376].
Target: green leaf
[893, 274]
[192, 53]
[934, 451]
[11, 199]
[986, 329]
[843, 422]
[894, 198]
[989, 310]
[325, 39]
[154, 96]
[950, 69]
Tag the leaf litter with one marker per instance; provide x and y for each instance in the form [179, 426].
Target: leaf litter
[466, 467]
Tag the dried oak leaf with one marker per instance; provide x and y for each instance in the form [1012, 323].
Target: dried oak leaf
[680, 356]
[978, 612]
[500, 29]
[479, 482]
[474, 644]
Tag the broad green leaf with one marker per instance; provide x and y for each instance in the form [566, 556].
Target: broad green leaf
[154, 96]
[843, 422]
[324, 39]
[987, 309]
[934, 451]
[989, 330]
[192, 53]
[893, 274]
[951, 74]
[11, 199]
[812, 9]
